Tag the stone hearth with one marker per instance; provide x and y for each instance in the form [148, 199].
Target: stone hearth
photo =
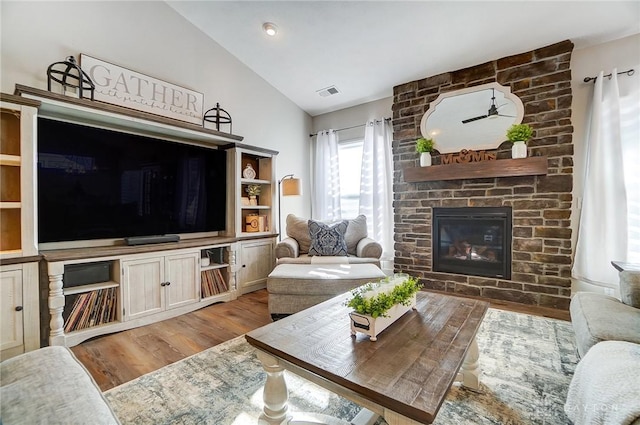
[542, 250]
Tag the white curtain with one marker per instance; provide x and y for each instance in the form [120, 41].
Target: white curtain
[376, 184]
[603, 230]
[325, 200]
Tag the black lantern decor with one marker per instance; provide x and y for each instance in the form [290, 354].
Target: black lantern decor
[217, 116]
[69, 74]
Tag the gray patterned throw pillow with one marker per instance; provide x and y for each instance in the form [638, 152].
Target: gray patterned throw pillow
[328, 240]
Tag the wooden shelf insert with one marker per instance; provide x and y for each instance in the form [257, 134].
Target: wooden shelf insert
[536, 165]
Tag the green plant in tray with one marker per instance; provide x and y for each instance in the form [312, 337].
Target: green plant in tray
[376, 298]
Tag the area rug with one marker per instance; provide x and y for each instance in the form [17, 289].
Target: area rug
[527, 364]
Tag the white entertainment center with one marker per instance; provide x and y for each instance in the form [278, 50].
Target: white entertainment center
[91, 288]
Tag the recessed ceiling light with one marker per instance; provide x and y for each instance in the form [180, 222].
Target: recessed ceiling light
[270, 29]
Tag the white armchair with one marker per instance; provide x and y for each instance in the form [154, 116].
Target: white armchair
[294, 249]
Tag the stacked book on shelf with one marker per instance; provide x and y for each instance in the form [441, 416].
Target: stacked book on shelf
[213, 283]
[92, 309]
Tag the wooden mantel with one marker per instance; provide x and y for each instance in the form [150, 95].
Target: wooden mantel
[536, 165]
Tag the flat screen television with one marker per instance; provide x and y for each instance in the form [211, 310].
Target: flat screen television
[95, 183]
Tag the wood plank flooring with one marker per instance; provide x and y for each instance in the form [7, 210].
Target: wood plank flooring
[118, 358]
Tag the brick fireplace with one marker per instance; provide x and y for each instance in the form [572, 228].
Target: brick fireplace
[474, 241]
[541, 249]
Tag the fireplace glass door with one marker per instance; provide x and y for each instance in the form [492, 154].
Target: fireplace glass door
[472, 241]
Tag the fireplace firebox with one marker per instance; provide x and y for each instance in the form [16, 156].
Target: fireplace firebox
[472, 241]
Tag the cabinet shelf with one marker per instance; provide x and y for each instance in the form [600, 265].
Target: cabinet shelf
[88, 288]
[254, 234]
[213, 267]
[223, 296]
[10, 160]
[255, 207]
[90, 331]
[254, 181]
[10, 205]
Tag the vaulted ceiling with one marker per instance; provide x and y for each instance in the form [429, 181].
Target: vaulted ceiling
[365, 48]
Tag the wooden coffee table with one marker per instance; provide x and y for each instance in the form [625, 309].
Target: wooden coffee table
[404, 376]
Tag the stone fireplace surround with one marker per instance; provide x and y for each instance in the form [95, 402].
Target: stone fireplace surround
[542, 251]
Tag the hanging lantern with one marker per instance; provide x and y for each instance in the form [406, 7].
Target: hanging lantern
[217, 116]
[69, 74]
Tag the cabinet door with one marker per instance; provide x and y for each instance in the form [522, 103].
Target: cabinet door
[143, 293]
[11, 330]
[256, 262]
[183, 278]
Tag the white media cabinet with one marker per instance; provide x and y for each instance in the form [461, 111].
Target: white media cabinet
[109, 286]
[152, 282]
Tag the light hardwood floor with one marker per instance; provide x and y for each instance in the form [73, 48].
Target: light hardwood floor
[118, 358]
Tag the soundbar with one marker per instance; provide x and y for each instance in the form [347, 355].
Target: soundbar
[142, 240]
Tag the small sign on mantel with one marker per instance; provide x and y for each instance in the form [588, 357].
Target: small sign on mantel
[467, 156]
[123, 87]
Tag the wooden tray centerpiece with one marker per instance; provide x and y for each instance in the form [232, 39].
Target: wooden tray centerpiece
[377, 305]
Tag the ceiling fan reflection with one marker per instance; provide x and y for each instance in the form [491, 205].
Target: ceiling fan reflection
[491, 113]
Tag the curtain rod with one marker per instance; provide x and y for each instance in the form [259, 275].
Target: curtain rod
[353, 126]
[628, 72]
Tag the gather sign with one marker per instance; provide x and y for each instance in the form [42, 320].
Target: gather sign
[123, 87]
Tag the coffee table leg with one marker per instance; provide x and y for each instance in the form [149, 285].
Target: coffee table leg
[469, 374]
[275, 393]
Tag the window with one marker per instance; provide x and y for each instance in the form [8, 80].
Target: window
[349, 163]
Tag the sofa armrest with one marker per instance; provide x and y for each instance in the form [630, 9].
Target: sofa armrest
[50, 385]
[288, 247]
[630, 288]
[369, 248]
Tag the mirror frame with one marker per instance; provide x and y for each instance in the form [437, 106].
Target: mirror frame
[492, 144]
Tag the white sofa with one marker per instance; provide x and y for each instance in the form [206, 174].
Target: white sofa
[605, 388]
[50, 386]
[597, 317]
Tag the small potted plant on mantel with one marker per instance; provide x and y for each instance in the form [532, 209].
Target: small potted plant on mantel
[424, 147]
[519, 134]
[377, 305]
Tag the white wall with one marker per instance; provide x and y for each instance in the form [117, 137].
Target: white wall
[151, 38]
[355, 115]
[622, 54]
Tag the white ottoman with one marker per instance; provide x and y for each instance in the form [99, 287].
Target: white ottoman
[294, 287]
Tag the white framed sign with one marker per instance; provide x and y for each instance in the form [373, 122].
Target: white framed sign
[123, 87]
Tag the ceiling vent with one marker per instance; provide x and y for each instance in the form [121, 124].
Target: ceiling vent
[328, 91]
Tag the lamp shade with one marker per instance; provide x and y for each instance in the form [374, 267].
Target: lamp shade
[291, 186]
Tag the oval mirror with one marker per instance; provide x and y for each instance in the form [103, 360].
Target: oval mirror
[473, 118]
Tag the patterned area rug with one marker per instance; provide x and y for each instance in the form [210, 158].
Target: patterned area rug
[527, 364]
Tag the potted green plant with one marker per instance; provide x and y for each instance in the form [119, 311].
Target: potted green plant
[519, 134]
[253, 190]
[377, 305]
[424, 147]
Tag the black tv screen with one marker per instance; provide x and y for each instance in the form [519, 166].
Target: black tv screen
[101, 184]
